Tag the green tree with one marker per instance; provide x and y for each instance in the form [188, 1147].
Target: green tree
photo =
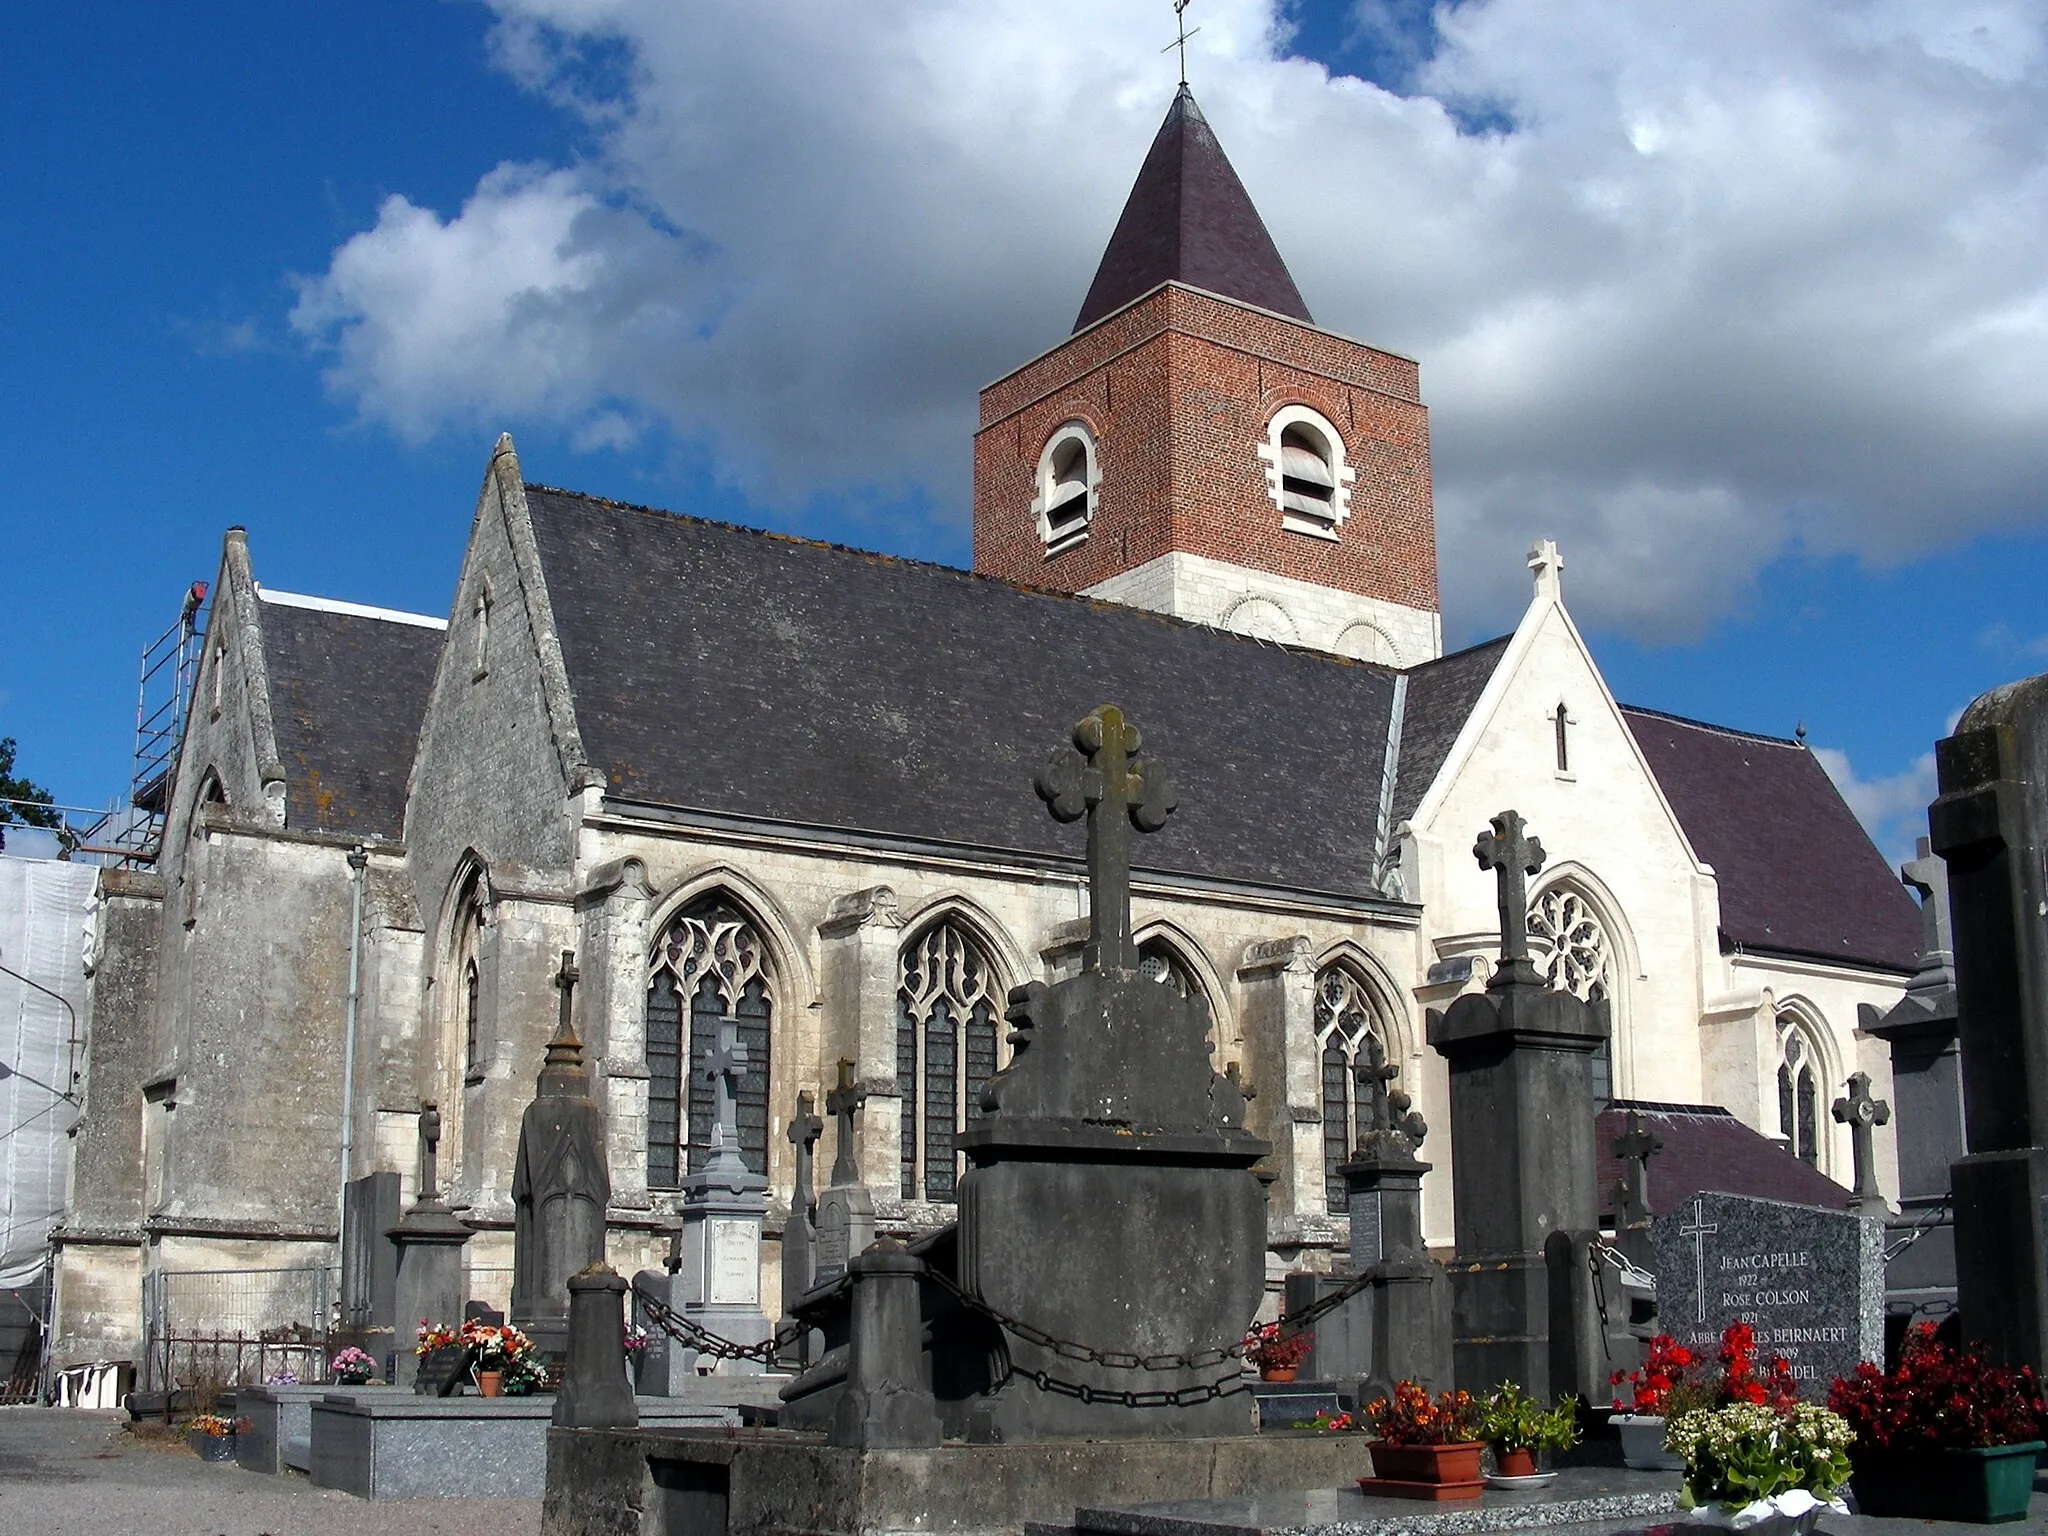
[21, 803]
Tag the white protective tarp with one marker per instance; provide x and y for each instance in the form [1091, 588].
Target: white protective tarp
[45, 906]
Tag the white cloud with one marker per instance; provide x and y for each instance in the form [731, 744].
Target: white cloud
[1893, 810]
[1733, 276]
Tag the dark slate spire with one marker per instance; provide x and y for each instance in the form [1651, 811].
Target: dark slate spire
[1189, 220]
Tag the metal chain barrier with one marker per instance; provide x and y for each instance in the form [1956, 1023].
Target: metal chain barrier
[704, 1341]
[1920, 1229]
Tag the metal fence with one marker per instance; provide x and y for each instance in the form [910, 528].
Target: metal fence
[208, 1329]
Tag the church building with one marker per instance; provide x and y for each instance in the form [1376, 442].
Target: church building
[742, 774]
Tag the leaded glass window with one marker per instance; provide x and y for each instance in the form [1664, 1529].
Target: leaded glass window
[1798, 1091]
[1571, 950]
[1345, 1019]
[708, 964]
[948, 1016]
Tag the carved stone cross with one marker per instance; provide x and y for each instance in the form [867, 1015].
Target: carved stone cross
[723, 1066]
[804, 1130]
[565, 983]
[1862, 1114]
[1513, 856]
[1375, 1075]
[430, 1143]
[1117, 790]
[1927, 876]
[843, 1102]
[1635, 1147]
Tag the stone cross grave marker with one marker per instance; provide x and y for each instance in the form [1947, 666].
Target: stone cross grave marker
[846, 1210]
[724, 1064]
[799, 1235]
[1116, 789]
[1635, 1146]
[430, 1142]
[1862, 1114]
[804, 1130]
[1928, 876]
[1809, 1281]
[1513, 856]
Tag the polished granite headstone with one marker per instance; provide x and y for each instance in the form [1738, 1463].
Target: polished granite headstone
[1809, 1281]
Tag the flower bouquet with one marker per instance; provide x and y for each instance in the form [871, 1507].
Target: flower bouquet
[1942, 1436]
[351, 1368]
[1751, 1466]
[211, 1437]
[503, 1358]
[1277, 1355]
[1425, 1447]
[432, 1336]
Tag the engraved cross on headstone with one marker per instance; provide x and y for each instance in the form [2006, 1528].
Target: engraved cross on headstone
[430, 1142]
[1117, 790]
[804, 1130]
[1513, 856]
[842, 1103]
[723, 1066]
[1635, 1147]
[1862, 1114]
[1700, 1230]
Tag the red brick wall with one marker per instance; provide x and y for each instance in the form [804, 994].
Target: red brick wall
[1178, 389]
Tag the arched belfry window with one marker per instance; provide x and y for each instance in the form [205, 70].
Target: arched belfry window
[1573, 953]
[1799, 1067]
[949, 1009]
[1065, 493]
[1305, 471]
[709, 963]
[1346, 1017]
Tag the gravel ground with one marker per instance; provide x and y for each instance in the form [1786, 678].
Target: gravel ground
[69, 1473]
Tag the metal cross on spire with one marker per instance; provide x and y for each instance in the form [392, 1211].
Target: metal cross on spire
[1513, 856]
[1180, 18]
[1116, 789]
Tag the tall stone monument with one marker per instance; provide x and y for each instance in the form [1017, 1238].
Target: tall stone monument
[1109, 1199]
[719, 1284]
[561, 1183]
[429, 1241]
[1521, 1069]
[1987, 824]
[1927, 1110]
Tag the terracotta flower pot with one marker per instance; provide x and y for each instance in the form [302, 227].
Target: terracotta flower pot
[1427, 1463]
[1277, 1372]
[488, 1382]
[1516, 1463]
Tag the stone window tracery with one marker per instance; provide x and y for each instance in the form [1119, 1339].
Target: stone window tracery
[1798, 1090]
[1159, 961]
[1345, 1018]
[709, 963]
[949, 1005]
[1571, 950]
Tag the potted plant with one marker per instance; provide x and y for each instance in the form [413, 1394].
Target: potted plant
[1425, 1447]
[496, 1352]
[351, 1368]
[1517, 1427]
[1943, 1436]
[1639, 1413]
[1762, 1468]
[1277, 1355]
[211, 1437]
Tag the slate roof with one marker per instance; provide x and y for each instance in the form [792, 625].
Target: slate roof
[1798, 874]
[347, 695]
[1441, 697]
[1188, 219]
[1707, 1150]
[722, 669]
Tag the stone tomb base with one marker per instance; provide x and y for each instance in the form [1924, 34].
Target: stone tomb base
[1582, 1498]
[280, 1433]
[781, 1483]
[400, 1445]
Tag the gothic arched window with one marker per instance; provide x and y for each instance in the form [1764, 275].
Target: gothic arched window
[949, 1006]
[1159, 961]
[1571, 950]
[1798, 1090]
[470, 1016]
[708, 964]
[466, 957]
[1345, 1019]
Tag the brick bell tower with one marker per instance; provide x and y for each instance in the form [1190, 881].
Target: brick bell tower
[1200, 447]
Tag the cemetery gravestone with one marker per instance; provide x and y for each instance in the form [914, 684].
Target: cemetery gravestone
[846, 1210]
[1809, 1281]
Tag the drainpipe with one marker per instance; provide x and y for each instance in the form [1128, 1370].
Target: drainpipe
[358, 860]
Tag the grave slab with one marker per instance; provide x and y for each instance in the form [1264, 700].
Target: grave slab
[280, 1432]
[1809, 1281]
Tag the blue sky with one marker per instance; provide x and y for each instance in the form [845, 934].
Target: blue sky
[757, 270]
